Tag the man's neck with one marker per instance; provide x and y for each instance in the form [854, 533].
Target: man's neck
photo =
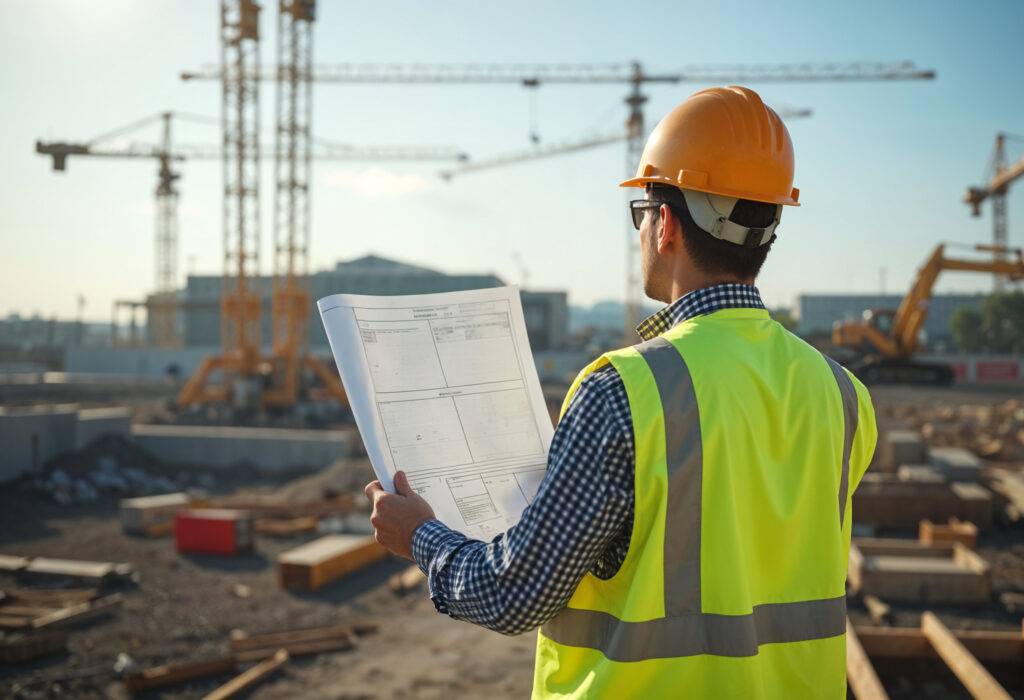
[681, 288]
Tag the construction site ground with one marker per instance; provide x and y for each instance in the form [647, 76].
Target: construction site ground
[184, 607]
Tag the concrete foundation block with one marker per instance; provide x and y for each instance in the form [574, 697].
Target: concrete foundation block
[956, 463]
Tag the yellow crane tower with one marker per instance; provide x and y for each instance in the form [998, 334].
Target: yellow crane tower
[1002, 175]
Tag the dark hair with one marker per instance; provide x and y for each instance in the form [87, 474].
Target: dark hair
[713, 255]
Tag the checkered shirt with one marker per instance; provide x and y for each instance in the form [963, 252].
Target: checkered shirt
[582, 516]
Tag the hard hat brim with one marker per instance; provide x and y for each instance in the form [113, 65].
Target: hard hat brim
[791, 201]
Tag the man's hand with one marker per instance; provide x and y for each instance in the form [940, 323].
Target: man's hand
[397, 515]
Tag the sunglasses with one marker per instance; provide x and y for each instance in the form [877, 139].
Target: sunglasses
[637, 207]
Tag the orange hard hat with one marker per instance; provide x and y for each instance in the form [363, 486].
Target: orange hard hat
[723, 141]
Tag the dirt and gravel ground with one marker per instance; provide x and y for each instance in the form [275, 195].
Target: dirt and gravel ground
[184, 608]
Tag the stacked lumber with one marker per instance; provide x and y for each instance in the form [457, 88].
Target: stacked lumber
[275, 508]
[152, 515]
[327, 559]
[213, 531]
[286, 527]
[248, 679]
[1009, 487]
[161, 676]
[299, 642]
[961, 651]
[93, 573]
[886, 500]
[991, 432]
[905, 570]
[271, 650]
[406, 581]
[930, 533]
[18, 648]
[26, 609]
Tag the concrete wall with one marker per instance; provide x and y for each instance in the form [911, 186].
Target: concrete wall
[265, 448]
[29, 437]
[95, 422]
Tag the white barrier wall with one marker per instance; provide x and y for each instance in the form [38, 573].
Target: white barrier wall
[264, 448]
[984, 369]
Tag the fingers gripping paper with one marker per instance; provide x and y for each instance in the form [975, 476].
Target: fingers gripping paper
[443, 387]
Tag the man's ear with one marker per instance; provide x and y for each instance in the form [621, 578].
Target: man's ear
[670, 229]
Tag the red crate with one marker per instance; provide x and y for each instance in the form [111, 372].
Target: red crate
[213, 531]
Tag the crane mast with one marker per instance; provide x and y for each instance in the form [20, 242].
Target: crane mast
[290, 301]
[995, 189]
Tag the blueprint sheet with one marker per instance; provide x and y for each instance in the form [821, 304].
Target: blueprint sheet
[444, 388]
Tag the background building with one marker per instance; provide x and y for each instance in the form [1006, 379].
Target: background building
[819, 311]
[547, 314]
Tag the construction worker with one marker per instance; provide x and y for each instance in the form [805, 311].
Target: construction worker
[691, 534]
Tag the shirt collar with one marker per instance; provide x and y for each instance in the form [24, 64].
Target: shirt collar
[728, 295]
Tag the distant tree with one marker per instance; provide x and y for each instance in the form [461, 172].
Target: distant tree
[998, 328]
[965, 326]
[785, 317]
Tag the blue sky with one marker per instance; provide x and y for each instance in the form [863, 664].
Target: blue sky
[881, 166]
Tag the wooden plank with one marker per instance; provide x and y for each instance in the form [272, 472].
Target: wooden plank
[13, 622]
[299, 648]
[880, 611]
[75, 614]
[327, 559]
[51, 597]
[406, 581]
[251, 677]
[160, 676]
[978, 681]
[28, 610]
[12, 564]
[285, 527]
[910, 643]
[28, 647]
[241, 641]
[859, 671]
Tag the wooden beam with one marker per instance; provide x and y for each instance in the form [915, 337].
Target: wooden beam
[25, 648]
[179, 673]
[859, 671]
[880, 611]
[978, 681]
[79, 613]
[910, 643]
[295, 642]
[406, 581]
[251, 677]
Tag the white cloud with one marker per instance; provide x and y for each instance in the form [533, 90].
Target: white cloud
[377, 182]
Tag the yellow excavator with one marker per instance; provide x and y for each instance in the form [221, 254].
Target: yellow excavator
[887, 341]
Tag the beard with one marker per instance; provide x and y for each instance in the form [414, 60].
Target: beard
[652, 269]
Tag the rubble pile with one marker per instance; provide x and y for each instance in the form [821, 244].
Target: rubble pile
[990, 431]
[111, 465]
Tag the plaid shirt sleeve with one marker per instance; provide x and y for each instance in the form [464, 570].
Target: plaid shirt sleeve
[579, 521]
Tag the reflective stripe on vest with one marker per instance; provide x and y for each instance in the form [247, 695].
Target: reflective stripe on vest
[686, 631]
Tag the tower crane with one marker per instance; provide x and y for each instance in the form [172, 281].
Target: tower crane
[565, 147]
[162, 306]
[1002, 175]
[633, 75]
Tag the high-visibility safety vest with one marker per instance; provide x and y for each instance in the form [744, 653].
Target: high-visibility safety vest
[749, 443]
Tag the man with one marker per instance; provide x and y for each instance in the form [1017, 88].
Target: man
[690, 537]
